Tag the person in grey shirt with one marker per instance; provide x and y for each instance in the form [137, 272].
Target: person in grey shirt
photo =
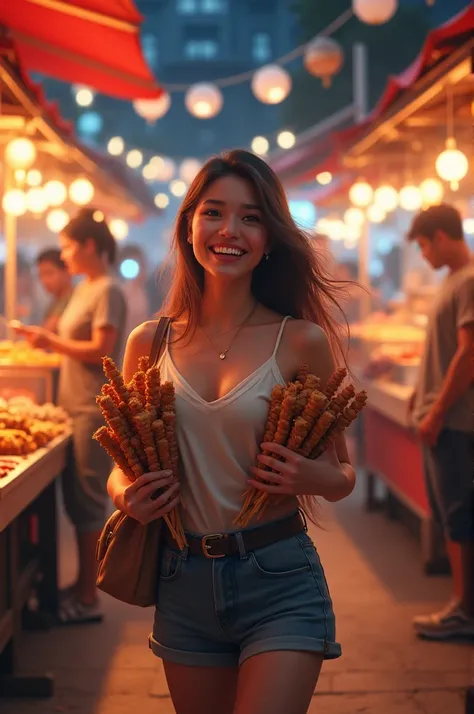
[443, 410]
[91, 326]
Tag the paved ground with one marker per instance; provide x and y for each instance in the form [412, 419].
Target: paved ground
[373, 568]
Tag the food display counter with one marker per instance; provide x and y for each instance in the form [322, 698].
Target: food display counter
[34, 442]
[386, 355]
[28, 371]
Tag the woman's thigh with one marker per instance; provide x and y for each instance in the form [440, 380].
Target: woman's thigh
[280, 682]
[202, 690]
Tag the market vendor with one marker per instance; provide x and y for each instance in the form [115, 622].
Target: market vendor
[443, 409]
[91, 326]
[57, 282]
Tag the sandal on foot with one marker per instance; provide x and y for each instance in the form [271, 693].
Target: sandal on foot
[74, 612]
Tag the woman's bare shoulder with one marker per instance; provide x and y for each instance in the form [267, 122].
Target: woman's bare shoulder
[309, 343]
[138, 344]
[142, 336]
[306, 334]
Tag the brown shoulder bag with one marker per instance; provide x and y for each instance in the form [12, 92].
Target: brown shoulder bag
[127, 551]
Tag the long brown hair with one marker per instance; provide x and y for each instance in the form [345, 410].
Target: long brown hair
[294, 281]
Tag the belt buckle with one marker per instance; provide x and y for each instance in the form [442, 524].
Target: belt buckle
[206, 547]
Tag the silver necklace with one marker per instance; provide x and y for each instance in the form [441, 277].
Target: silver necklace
[223, 354]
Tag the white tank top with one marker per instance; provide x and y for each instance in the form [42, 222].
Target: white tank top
[219, 442]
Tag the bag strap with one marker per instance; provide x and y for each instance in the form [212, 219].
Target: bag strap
[163, 324]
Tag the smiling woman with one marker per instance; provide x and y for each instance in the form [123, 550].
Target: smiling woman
[247, 633]
[251, 194]
[228, 224]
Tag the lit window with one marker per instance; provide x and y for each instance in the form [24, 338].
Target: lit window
[212, 6]
[200, 49]
[150, 49]
[261, 47]
[187, 7]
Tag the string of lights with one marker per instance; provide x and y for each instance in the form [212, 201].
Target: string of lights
[282, 61]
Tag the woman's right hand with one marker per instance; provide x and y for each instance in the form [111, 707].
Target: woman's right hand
[138, 499]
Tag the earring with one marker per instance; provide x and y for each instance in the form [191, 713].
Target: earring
[267, 255]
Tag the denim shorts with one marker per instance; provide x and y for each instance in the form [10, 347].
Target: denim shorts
[450, 483]
[219, 612]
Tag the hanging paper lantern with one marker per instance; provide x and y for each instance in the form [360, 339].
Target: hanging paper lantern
[203, 100]
[189, 169]
[20, 153]
[361, 194]
[432, 191]
[323, 58]
[386, 197]
[452, 165]
[56, 220]
[152, 109]
[14, 202]
[56, 192]
[410, 198]
[36, 200]
[81, 191]
[271, 84]
[374, 12]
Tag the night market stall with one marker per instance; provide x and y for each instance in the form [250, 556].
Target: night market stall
[47, 174]
[367, 179]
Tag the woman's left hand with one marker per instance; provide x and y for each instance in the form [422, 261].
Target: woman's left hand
[296, 475]
[36, 336]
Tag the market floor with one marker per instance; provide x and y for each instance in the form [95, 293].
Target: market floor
[372, 565]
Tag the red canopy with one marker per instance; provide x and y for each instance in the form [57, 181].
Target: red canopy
[112, 176]
[438, 45]
[91, 42]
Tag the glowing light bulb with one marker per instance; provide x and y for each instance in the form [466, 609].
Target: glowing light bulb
[361, 194]
[161, 200]
[260, 145]
[116, 146]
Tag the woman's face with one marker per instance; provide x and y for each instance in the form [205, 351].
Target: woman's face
[75, 255]
[227, 233]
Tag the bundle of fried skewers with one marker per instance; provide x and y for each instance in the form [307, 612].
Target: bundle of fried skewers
[140, 435]
[306, 418]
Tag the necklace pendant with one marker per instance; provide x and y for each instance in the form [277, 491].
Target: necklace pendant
[222, 355]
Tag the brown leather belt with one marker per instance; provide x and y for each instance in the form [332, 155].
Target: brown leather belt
[218, 545]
